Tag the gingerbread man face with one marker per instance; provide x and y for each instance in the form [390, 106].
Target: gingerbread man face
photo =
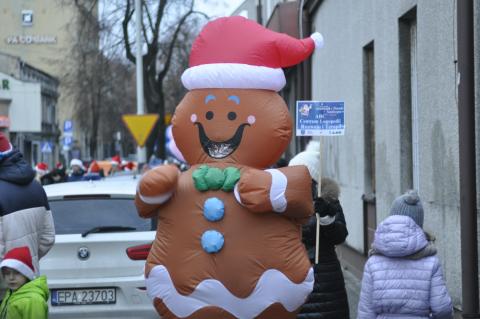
[239, 126]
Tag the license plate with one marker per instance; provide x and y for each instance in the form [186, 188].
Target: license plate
[86, 296]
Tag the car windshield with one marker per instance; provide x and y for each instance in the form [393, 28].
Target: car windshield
[76, 216]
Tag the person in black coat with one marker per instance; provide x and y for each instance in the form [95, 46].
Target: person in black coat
[328, 299]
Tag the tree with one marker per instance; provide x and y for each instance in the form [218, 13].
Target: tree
[165, 33]
[97, 82]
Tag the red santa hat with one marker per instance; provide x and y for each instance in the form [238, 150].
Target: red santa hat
[41, 167]
[116, 160]
[94, 167]
[235, 52]
[5, 146]
[19, 259]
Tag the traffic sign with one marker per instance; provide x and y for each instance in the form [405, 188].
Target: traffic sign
[68, 127]
[67, 140]
[46, 147]
[140, 126]
[315, 118]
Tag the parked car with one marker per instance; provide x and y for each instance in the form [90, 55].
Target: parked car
[95, 269]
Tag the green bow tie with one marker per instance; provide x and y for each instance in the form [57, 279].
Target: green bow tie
[212, 178]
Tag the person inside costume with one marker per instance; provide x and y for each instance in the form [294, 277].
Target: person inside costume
[228, 241]
[403, 277]
[27, 295]
[328, 299]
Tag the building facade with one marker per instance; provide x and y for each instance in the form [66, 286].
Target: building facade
[42, 34]
[28, 102]
[394, 64]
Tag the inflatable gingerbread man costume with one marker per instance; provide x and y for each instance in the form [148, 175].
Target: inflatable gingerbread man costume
[228, 241]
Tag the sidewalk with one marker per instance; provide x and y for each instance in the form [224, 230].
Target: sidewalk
[352, 284]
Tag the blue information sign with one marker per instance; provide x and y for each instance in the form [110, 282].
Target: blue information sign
[315, 118]
[67, 140]
[68, 127]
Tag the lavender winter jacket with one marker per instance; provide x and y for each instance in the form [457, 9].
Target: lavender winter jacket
[396, 285]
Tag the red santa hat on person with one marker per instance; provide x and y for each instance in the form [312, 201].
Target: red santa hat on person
[116, 160]
[5, 146]
[94, 167]
[19, 259]
[41, 168]
[235, 52]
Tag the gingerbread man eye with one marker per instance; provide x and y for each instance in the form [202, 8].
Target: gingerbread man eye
[209, 115]
[232, 116]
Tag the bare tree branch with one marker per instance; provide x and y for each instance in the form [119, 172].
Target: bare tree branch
[126, 20]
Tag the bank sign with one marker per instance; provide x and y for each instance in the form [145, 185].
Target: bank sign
[320, 118]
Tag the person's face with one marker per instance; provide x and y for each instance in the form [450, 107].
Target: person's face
[76, 168]
[13, 278]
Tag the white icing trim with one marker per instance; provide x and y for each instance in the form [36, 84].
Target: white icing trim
[272, 287]
[154, 200]
[277, 190]
[237, 194]
[233, 76]
[18, 266]
[318, 39]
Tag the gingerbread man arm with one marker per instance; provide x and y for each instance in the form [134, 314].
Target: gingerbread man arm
[286, 191]
[155, 188]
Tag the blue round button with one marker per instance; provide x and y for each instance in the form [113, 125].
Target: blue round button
[212, 241]
[213, 209]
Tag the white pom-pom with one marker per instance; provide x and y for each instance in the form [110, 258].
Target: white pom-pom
[318, 39]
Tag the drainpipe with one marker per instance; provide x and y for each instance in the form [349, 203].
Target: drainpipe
[466, 121]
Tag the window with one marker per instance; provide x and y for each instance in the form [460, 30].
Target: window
[75, 216]
[27, 17]
[409, 151]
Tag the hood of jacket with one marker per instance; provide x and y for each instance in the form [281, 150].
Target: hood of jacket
[37, 286]
[399, 236]
[14, 169]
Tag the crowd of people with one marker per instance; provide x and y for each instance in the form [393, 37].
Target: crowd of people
[402, 277]
[81, 171]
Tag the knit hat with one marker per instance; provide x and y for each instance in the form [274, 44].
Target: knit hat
[235, 52]
[5, 146]
[310, 159]
[409, 204]
[19, 259]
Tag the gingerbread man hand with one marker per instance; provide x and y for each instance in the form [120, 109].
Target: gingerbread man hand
[276, 190]
[155, 188]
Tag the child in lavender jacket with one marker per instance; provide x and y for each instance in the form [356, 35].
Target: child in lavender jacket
[403, 276]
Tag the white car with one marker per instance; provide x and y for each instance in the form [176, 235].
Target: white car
[96, 267]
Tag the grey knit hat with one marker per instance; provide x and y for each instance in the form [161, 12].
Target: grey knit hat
[409, 204]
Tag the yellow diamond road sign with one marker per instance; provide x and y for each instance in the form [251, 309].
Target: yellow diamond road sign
[140, 126]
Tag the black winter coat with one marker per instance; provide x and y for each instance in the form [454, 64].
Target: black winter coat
[328, 299]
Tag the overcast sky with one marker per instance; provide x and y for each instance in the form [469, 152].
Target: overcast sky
[218, 8]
